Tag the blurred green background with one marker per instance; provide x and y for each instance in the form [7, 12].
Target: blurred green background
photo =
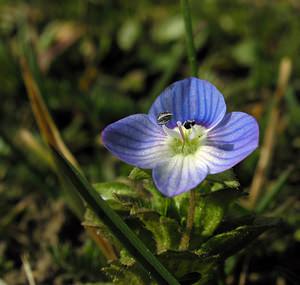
[103, 60]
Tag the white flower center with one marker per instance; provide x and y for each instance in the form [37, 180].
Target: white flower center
[183, 140]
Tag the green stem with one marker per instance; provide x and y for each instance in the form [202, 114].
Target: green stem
[189, 37]
[114, 222]
[185, 239]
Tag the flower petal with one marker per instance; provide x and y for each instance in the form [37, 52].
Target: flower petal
[137, 141]
[178, 175]
[229, 142]
[190, 99]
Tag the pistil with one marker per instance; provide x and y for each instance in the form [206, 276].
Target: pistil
[179, 125]
[185, 141]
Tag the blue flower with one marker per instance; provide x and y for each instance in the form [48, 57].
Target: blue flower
[185, 136]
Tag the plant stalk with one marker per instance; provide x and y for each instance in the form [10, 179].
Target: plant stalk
[185, 239]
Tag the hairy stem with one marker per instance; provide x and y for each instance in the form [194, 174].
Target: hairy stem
[189, 36]
[185, 239]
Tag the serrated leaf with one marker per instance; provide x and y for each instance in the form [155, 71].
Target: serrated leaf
[103, 242]
[212, 208]
[166, 232]
[226, 178]
[233, 221]
[130, 201]
[108, 189]
[138, 174]
[124, 275]
[228, 243]
[183, 263]
[180, 203]
[91, 221]
[120, 196]
[157, 201]
[114, 222]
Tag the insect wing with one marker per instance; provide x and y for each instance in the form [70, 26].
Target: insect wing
[164, 117]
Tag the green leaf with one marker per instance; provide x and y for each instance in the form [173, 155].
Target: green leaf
[138, 174]
[107, 190]
[227, 178]
[183, 263]
[186, 266]
[112, 193]
[122, 197]
[114, 222]
[234, 220]
[180, 204]
[157, 201]
[212, 208]
[166, 232]
[228, 243]
[91, 220]
[124, 275]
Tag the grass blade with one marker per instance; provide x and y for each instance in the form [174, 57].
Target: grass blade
[32, 79]
[272, 193]
[43, 118]
[117, 226]
[33, 82]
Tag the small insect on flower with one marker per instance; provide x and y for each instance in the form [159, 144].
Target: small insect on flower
[185, 136]
[164, 117]
[189, 123]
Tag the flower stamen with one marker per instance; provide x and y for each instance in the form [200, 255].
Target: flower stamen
[185, 141]
[179, 125]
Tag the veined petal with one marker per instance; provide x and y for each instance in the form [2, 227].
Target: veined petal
[234, 138]
[137, 141]
[190, 99]
[178, 175]
[171, 132]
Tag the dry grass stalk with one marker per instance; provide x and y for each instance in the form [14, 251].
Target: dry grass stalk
[268, 144]
[101, 241]
[52, 137]
[44, 120]
[27, 269]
